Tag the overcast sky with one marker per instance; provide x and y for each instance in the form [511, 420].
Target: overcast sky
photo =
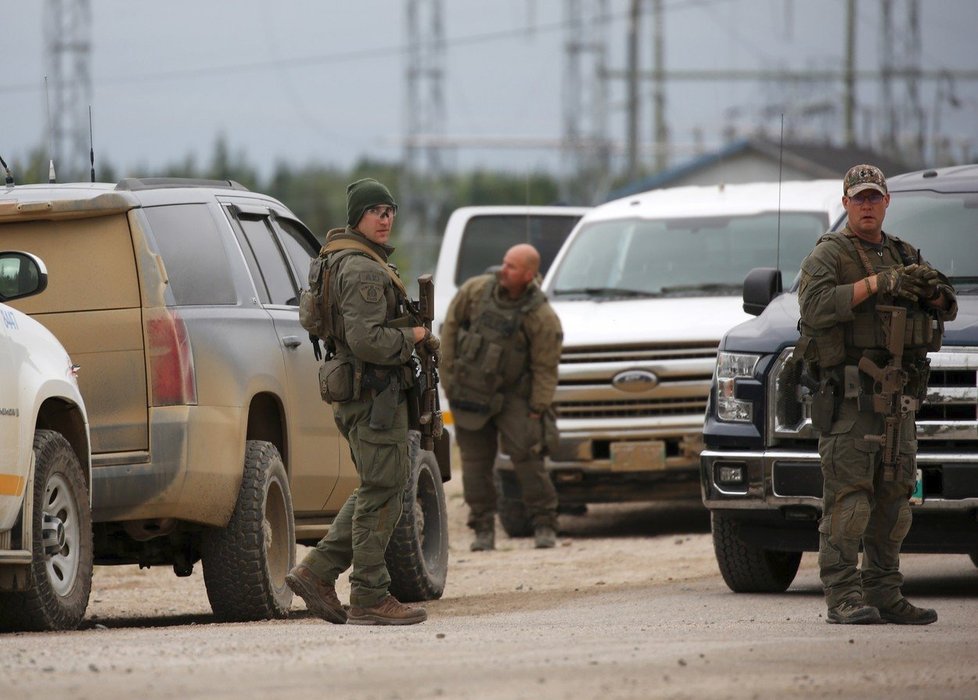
[323, 80]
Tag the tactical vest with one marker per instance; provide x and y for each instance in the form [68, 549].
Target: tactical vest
[844, 343]
[492, 354]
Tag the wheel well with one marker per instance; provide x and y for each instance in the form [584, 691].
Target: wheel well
[266, 421]
[66, 418]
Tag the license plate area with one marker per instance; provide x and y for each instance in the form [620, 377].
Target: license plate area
[648, 455]
[917, 497]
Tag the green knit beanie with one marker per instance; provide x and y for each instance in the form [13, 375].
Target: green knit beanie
[363, 194]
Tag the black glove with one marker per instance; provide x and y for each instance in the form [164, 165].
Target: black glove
[899, 282]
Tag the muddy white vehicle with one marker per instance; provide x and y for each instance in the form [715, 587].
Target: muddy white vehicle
[45, 511]
[209, 439]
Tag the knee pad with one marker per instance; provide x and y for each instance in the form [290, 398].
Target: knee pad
[902, 525]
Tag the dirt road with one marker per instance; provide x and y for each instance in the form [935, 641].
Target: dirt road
[629, 605]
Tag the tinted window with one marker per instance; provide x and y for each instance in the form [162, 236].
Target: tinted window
[190, 244]
[687, 255]
[487, 238]
[274, 269]
[300, 246]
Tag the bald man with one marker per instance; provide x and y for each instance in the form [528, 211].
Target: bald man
[501, 346]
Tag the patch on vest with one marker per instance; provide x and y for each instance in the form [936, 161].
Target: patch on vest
[371, 293]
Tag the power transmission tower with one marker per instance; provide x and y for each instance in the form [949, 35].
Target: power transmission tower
[586, 146]
[423, 185]
[68, 44]
[904, 121]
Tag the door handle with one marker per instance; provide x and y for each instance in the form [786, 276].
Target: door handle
[291, 341]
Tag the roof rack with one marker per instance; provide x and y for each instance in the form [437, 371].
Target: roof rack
[134, 184]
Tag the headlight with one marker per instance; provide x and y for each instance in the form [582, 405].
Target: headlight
[732, 366]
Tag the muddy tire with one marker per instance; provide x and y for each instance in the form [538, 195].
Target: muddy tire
[61, 571]
[509, 504]
[749, 569]
[246, 562]
[417, 555]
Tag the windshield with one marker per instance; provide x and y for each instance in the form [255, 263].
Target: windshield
[944, 226]
[683, 257]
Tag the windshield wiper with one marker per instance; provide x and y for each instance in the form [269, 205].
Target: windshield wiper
[708, 287]
[606, 292]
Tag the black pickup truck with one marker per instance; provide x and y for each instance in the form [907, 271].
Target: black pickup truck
[760, 472]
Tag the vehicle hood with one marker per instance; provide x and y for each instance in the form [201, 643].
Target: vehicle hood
[647, 321]
[777, 327]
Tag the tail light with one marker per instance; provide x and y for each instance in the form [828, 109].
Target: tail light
[171, 360]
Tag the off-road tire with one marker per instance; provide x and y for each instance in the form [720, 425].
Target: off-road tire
[246, 562]
[60, 584]
[749, 569]
[509, 504]
[417, 555]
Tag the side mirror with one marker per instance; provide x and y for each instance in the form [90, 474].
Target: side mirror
[21, 275]
[761, 285]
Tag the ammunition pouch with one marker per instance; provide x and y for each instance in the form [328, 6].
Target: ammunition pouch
[337, 381]
[384, 405]
[826, 399]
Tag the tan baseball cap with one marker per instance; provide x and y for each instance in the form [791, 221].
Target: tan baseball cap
[863, 177]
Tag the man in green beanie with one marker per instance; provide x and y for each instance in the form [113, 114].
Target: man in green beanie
[372, 374]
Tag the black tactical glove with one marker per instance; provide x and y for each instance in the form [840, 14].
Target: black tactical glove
[899, 282]
[928, 278]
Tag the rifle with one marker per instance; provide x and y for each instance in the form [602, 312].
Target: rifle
[429, 416]
[889, 383]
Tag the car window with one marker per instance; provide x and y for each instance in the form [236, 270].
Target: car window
[193, 252]
[487, 238]
[274, 269]
[300, 246]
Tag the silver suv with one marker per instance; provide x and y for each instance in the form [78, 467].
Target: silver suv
[178, 299]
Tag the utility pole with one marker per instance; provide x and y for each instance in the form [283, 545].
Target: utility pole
[903, 116]
[67, 45]
[850, 74]
[659, 88]
[423, 185]
[634, 31]
[586, 146]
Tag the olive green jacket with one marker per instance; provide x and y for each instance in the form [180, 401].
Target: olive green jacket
[367, 302]
[540, 327]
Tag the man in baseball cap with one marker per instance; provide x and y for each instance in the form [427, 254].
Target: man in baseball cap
[863, 177]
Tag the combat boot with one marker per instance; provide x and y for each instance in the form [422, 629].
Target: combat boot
[903, 612]
[388, 611]
[851, 612]
[484, 541]
[320, 598]
[544, 537]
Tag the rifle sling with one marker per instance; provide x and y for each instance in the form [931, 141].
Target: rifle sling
[338, 245]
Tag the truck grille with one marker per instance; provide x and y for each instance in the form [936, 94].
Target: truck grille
[949, 412]
[677, 377]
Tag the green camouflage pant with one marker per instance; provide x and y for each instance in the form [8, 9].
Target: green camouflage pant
[518, 434]
[861, 508]
[362, 529]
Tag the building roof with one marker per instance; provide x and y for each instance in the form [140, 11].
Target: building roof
[819, 160]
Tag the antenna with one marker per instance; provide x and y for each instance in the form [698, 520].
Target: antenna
[780, 162]
[9, 178]
[91, 143]
[47, 98]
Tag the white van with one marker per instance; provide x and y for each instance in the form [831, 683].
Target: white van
[476, 238]
[645, 287]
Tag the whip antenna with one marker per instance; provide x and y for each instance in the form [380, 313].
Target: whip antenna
[47, 99]
[91, 142]
[780, 163]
